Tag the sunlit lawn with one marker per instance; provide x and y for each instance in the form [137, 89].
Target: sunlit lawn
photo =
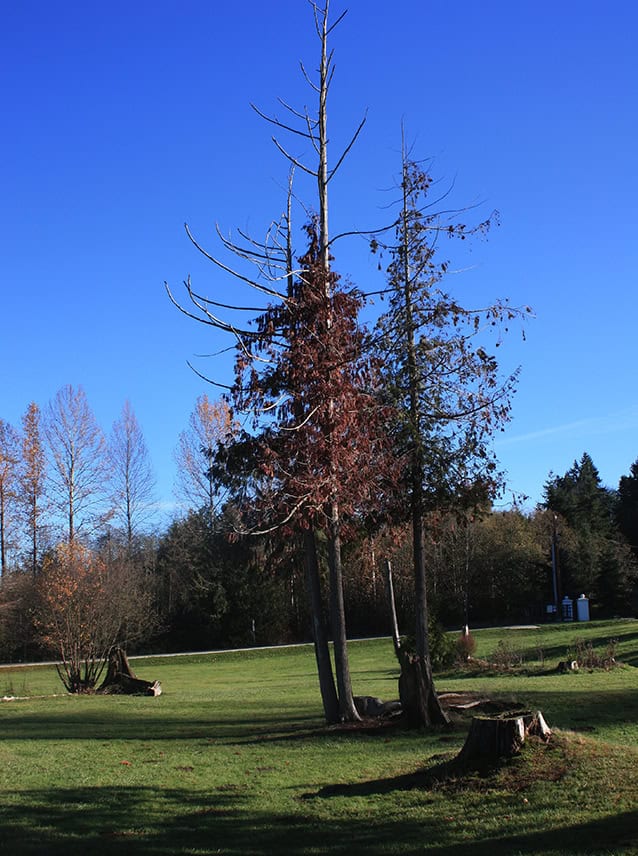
[234, 758]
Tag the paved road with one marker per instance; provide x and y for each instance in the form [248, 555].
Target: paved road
[256, 648]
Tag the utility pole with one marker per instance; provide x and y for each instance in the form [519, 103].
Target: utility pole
[556, 567]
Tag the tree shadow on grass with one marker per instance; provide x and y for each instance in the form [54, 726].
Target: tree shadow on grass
[574, 707]
[627, 642]
[130, 725]
[159, 822]
[615, 834]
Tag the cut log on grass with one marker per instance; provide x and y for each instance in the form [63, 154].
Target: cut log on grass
[120, 678]
[375, 708]
[492, 738]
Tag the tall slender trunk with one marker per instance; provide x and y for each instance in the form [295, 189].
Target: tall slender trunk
[71, 519]
[425, 707]
[3, 557]
[347, 709]
[322, 171]
[396, 638]
[129, 520]
[34, 542]
[320, 638]
[337, 611]
[419, 695]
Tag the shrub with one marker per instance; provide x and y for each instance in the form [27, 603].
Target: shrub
[506, 656]
[465, 646]
[588, 658]
[441, 644]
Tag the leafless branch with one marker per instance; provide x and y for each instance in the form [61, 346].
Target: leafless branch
[364, 233]
[347, 149]
[305, 117]
[275, 121]
[308, 79]
[338, 21]
[301, 424]
[272, 406]
[278, 525]
[208, 300]
[270, 291]
[207, 379]
[294, 160]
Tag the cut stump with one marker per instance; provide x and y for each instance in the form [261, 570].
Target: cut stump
[120, 678]
[419, 701]
[492, 738]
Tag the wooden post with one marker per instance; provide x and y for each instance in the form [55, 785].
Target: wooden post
[396, 639]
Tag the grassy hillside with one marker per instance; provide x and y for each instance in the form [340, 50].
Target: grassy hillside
[234, 758]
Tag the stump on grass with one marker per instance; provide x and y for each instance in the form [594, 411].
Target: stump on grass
[492, 738]
[120, 678]
[419, 701]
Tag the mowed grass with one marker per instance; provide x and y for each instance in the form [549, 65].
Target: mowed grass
[234, 758]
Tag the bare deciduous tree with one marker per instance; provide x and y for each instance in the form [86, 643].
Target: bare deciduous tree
[32, 481]
[210, 425]
[87, 607]
[131, 473]
[79, 471]
[9, 462]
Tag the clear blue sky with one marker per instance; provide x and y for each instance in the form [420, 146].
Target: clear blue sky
[121, 121]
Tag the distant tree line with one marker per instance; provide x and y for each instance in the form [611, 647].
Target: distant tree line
[202, 582]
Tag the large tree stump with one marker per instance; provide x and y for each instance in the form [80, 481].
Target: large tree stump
[419, 701]
[492, 738]
[120, 678]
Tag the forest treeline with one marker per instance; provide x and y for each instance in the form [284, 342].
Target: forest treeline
[201, 582]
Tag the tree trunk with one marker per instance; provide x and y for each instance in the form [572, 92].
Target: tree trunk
[320, 638]
[423, 707]
[347, 709]
[492, 738]
[2, 536]
[419, 701]
[421, 704]
[389, 584]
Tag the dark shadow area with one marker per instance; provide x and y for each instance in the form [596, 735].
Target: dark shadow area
[117, 725]
[148, 822]
[572, 708]
[568, 709]
[617, 834]
[560, 652]
[374, 728]
[425, 780]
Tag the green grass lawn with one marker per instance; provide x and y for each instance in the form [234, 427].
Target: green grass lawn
[234, 758]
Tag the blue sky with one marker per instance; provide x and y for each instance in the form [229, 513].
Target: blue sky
[122, 121]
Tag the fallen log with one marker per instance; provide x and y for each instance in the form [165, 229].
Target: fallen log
[376, 708]
[492, 738]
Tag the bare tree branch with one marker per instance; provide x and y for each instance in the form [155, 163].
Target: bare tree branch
[347, 149]
[292, 159]
[275, 121]
[272, 292]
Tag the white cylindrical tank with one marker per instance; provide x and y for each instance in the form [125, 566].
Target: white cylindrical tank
[582, 608]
